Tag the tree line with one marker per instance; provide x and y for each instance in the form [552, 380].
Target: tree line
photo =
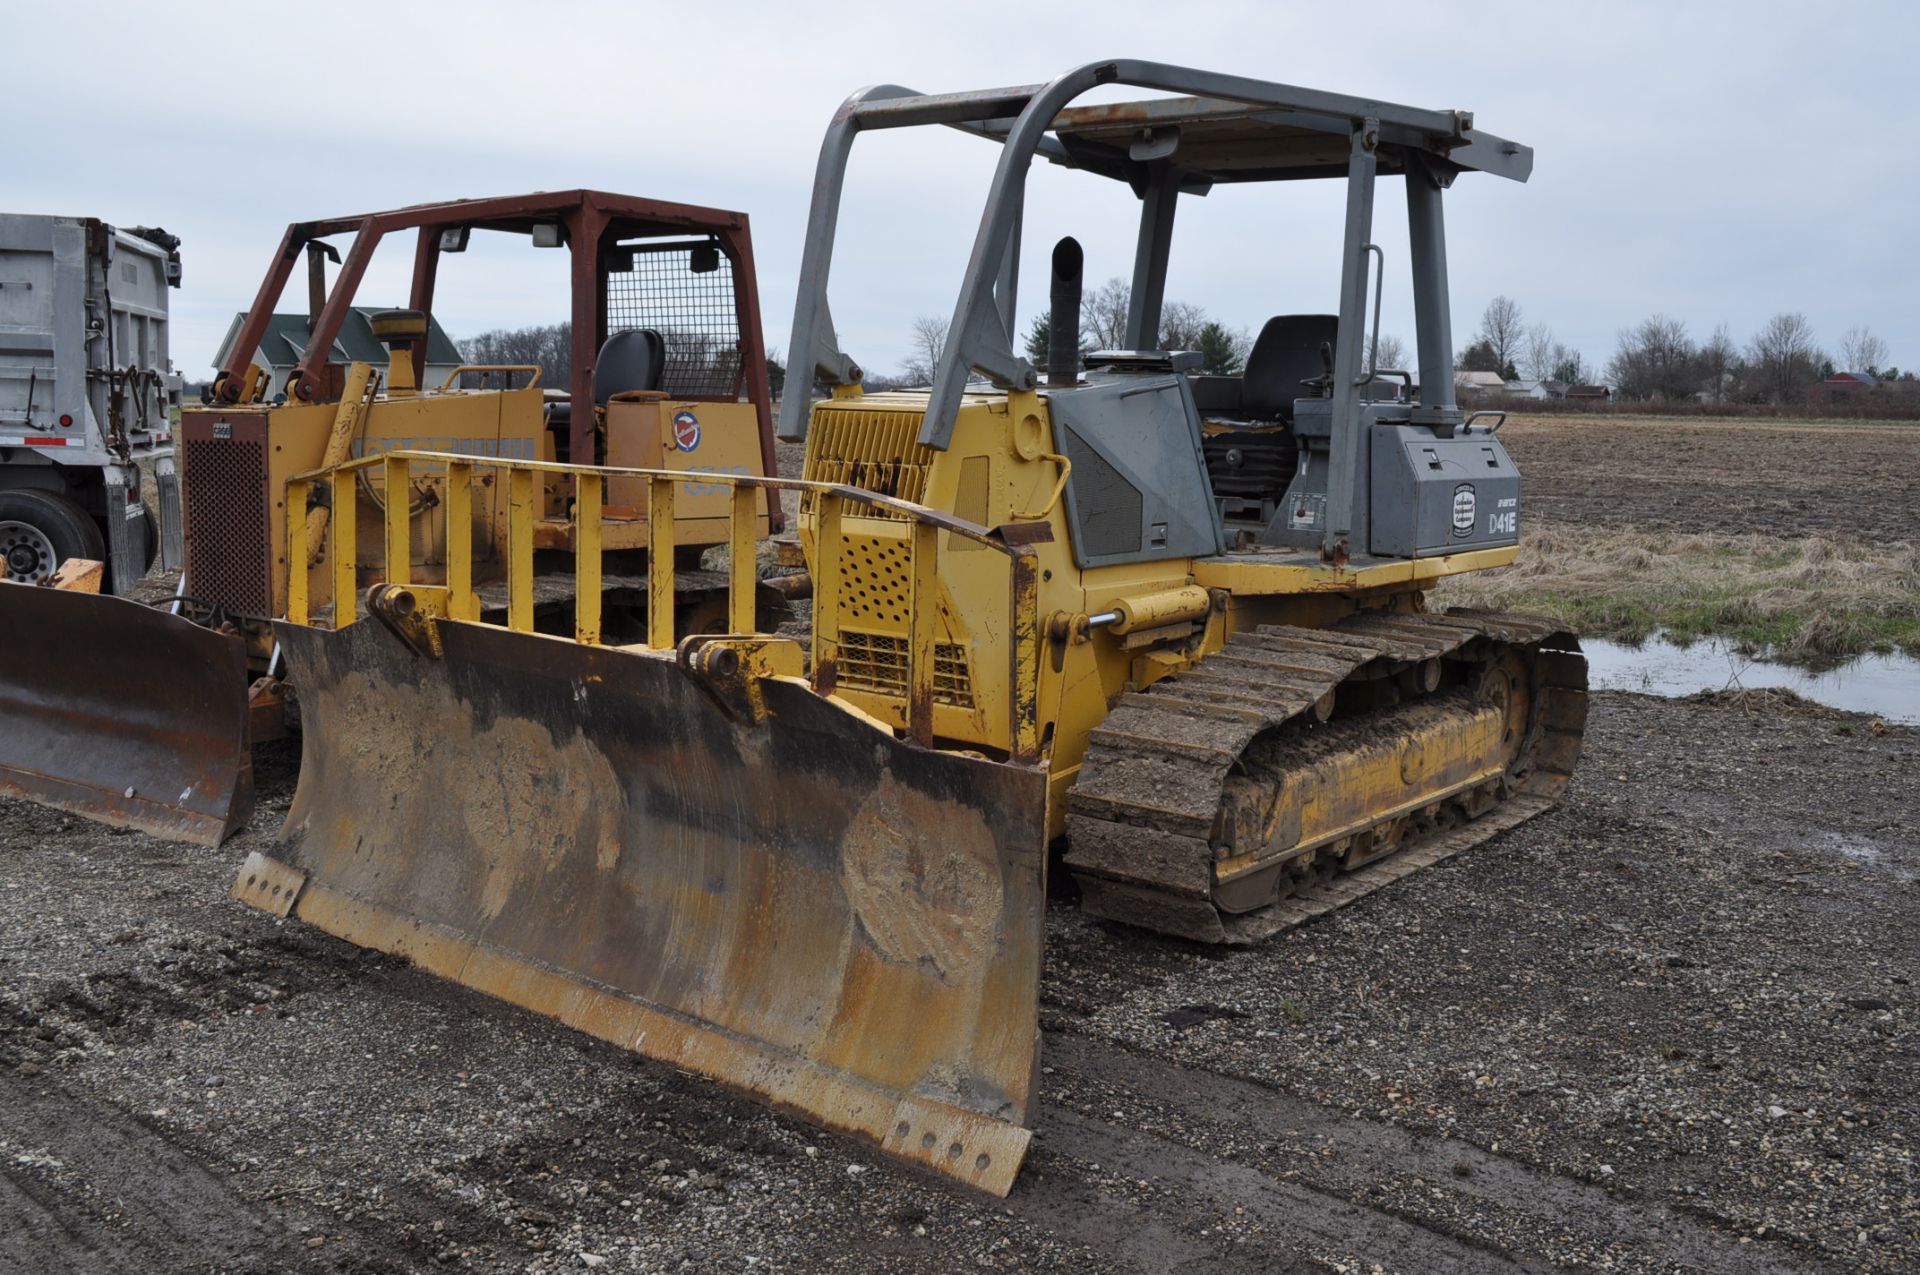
[1103, 326]
[1658, 359]
[697, 362]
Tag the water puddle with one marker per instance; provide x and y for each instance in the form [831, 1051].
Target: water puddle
[1887, 686]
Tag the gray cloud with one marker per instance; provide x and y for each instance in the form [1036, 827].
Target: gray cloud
[1716, 162]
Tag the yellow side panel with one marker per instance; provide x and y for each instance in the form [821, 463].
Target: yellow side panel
[508, 423]
[708, 438]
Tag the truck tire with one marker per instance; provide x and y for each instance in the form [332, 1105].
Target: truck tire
[39, 530]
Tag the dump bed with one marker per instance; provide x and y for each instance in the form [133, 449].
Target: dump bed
[83, 314]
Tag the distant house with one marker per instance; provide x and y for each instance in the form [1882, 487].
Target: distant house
[1479, 383]
[1590, 393]
[1844, 387]
[286, 341]
[1527, 387]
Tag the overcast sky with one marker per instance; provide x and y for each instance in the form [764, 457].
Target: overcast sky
[1713, 162]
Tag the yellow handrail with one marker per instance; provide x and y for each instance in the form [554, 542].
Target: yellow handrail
[509, 368]
[742, 577]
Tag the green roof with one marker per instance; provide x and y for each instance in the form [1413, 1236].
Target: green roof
[286, 341]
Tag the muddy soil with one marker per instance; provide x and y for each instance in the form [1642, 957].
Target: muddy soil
[1671, 474]
[1669, 1026]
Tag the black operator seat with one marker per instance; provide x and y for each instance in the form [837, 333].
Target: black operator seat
[635, 359]
[1287, 352]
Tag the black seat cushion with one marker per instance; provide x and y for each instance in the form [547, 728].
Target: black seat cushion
[1286, 353]
[631, 360]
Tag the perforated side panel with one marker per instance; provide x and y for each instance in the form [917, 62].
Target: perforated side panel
[874, 582]
[875, 591]
[224, 495]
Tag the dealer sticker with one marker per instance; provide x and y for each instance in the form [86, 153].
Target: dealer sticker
[1463, 509]
[686, 431]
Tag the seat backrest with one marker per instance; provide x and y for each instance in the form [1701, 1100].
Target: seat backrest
[631, 360]
[1286, 353]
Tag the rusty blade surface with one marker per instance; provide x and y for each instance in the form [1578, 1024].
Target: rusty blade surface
[123, 713]
[798, 906]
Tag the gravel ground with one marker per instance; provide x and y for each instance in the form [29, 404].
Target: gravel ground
[1668, 1026]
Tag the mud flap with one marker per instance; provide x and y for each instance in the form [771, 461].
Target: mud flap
[787, 899]
[124, 714]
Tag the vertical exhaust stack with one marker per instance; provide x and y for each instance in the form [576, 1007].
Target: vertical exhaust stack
[1063, 322]
[316, 282]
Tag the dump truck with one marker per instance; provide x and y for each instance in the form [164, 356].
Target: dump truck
[666, 369]
[1170, 626]
[86, 391]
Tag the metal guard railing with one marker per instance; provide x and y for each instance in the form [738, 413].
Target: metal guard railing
[830, 500]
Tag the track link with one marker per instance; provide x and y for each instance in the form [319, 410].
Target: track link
[1180, 818]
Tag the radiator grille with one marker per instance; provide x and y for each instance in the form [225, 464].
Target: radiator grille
[877, 451]
[228, 555]
[877, 662]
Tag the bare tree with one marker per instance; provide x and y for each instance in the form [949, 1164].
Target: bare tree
[1180, 325]
[1392, 353]
[1569, 366]
[1103, 321]
[1103, 314]
[1862, 351]
[1718, 363]
[1655, 360]
[1785, 358]
[1502, 329]
[1541, 353]
[929, 335]
[549, 347]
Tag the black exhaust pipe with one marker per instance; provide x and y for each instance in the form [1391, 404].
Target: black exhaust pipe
[1063, 323]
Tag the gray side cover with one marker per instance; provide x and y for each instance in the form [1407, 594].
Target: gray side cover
[1436, 495]
[1139, 490]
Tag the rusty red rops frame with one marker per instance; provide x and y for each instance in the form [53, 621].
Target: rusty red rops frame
[593, 220]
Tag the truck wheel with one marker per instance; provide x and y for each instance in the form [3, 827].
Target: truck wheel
[41, 529]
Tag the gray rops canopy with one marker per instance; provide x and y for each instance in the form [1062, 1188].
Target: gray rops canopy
[1227, 129]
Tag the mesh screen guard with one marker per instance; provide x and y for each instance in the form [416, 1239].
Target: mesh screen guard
[693, 310]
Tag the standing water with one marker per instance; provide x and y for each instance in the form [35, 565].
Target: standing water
[1887, 686]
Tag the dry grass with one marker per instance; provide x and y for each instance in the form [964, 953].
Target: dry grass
[1812, 599]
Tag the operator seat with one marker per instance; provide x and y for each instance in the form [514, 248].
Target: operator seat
[1287, 352]
[635, 359]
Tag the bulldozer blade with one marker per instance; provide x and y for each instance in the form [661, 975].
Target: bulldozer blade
[123, 714]
[768, 889]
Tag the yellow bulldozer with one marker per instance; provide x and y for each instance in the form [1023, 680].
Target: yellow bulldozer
[1165, 628]
[153, 727]
[1168, 623]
